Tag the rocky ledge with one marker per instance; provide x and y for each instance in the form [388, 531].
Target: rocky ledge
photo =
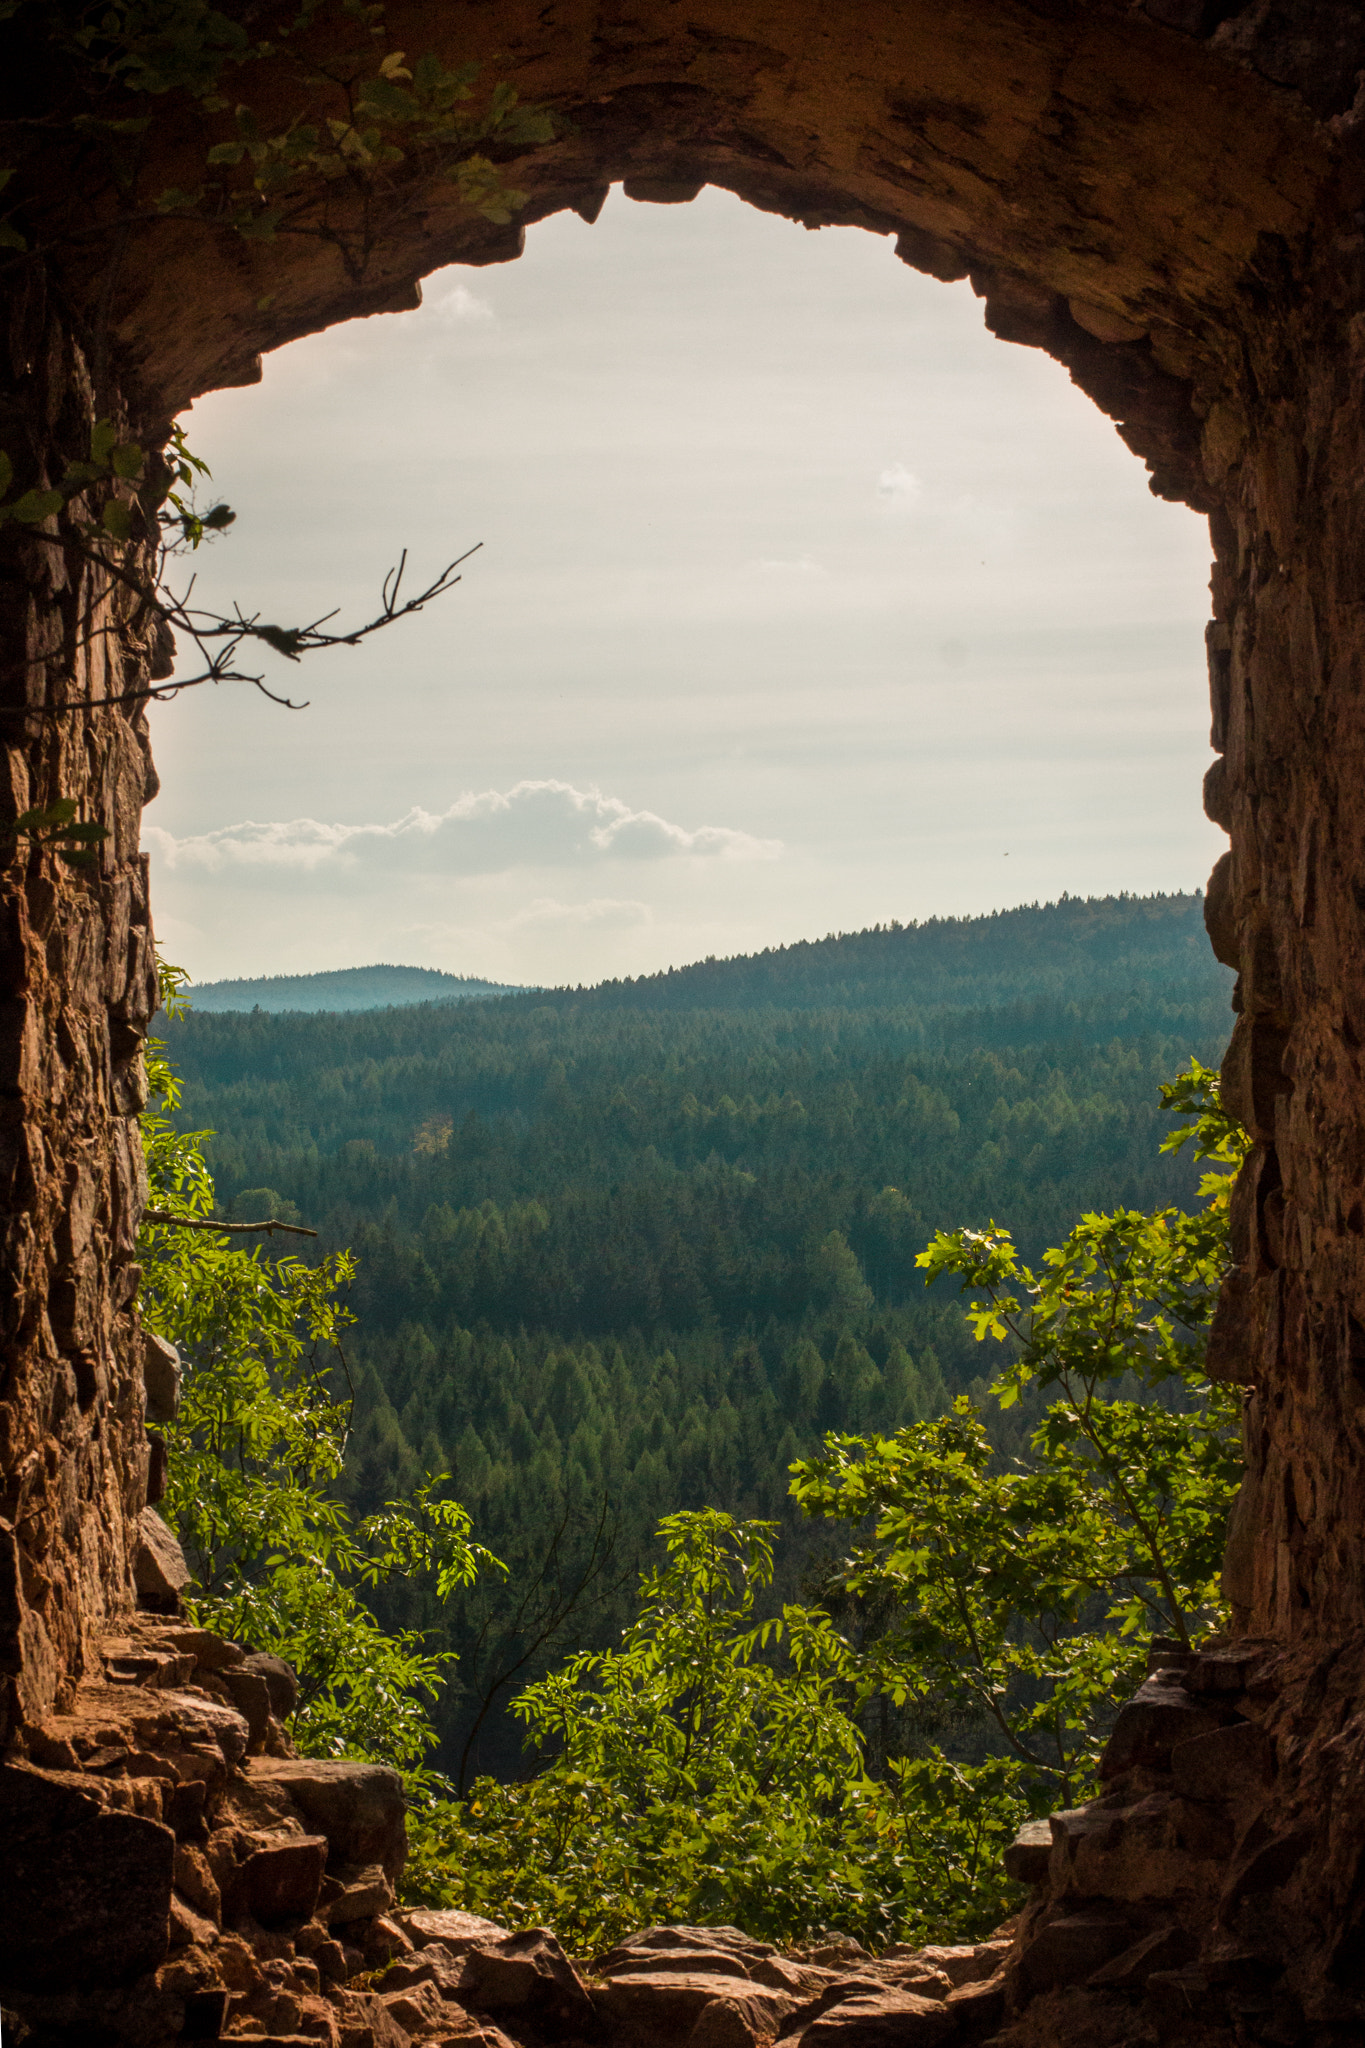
[173, 1873]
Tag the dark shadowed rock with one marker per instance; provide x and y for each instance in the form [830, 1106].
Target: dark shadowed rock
[1067, 1950]
[86, 1892]
[280, 1680]
[1151, 1723]
[279, 1881]
[1225, 1764]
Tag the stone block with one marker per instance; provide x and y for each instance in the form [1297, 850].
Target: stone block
[358, 1806]
[457, 1932]
[251, 1699]
[161, 1378]
[87, 1892]
[529, 1975]
[365, 2023]
[160, 1572]
[364, 1895]
[1027, 1857]
[1068, 1950]
[279, 1881]
[1167, 1948]
[1226, 1764]
[880, 2019]
[668, 2008]
[415, 2006]
[280, 1680]
[1150, 1724]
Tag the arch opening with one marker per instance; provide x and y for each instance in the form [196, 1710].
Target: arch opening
[1167, 200]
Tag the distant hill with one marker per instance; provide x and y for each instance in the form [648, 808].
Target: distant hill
[345, 988]
[1080, 947]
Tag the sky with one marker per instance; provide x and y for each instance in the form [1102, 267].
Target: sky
[801, 604]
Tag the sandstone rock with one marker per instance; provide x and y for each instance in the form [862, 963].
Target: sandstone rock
[976, 2010]
[416, 2007]
[454, 1931]
[837, 1952]
[1166, 1948]
[434, 1964]
[280, 1880]
[379, 1940]
[362, 1895]
[528, 1977]
[866, 1983]
[668, 2008]
[250, 1697]
[682, 1961]
[1067, 1950]
[357, 1806]
[1149, 1724]
[187, 1926]
[161, 1378]
[195, 1880]
[1027, 1857]
[364, 2023]
[198, 1722]
[965, 1963]
[1226, 1672]
[1226, 1763]
[880, 2019]
[159, 1568]
[280, 1680]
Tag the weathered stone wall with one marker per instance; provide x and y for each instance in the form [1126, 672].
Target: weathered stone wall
[78, 990]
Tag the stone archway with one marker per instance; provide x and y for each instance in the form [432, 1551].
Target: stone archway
[1166, 197]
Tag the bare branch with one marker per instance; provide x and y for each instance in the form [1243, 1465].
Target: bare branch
[208, 1223]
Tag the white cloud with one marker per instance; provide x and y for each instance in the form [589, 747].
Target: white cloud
[533, 824]
[462, 304]
[898, 488]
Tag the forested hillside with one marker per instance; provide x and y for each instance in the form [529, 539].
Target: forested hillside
[344, 988]
[635, 1248]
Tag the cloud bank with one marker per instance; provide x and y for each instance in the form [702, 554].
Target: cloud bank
[532, 825]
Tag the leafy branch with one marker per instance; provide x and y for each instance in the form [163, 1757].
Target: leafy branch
[334, 169]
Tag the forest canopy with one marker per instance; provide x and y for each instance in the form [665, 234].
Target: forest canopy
[633, 1250]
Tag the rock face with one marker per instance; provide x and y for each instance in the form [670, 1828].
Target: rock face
[1168, 197]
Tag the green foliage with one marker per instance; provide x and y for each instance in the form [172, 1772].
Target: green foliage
[115, 71]
[694, 1777]
[278, 1561]
[654, 1253]
[57, 827]
[1024, 1598]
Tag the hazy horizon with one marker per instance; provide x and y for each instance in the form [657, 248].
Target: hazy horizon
[804, 605]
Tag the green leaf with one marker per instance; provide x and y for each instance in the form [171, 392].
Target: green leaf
[10, 237]
[34, 506]
[127, 461]
[6, 471]
[103, 441]
[117, 519]
[226, 153]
